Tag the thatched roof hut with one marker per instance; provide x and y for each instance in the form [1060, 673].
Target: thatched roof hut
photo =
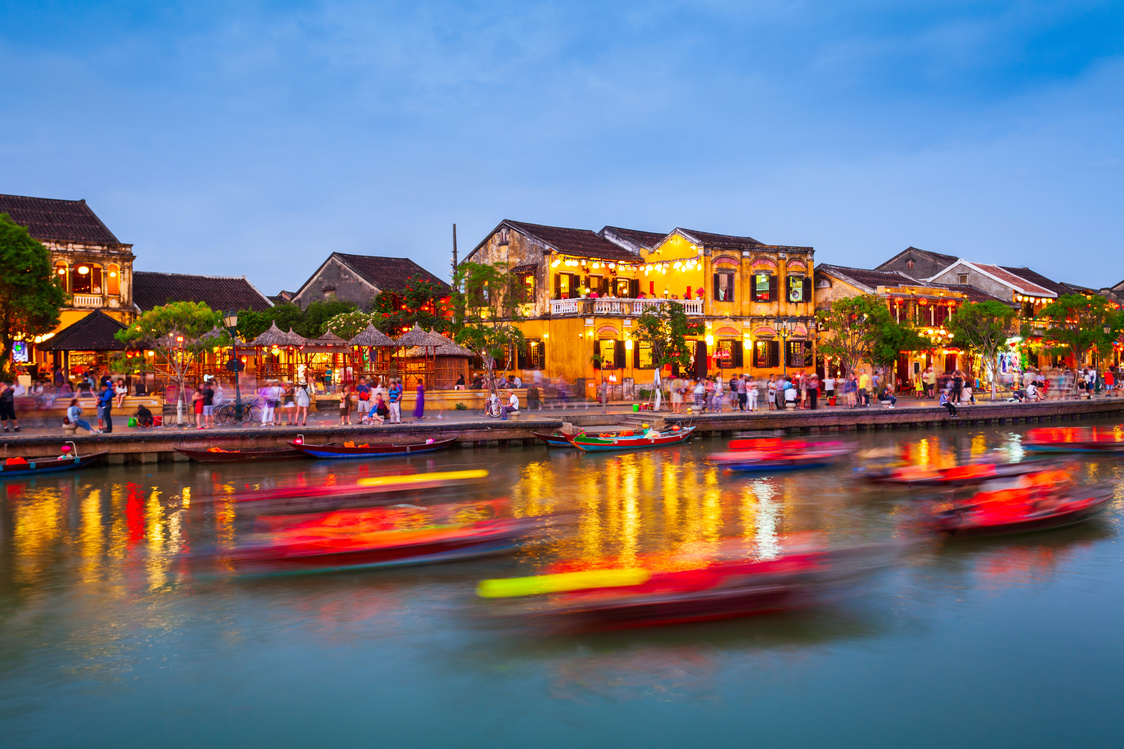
[418, 337]
[295, 339]
[272, 337]
[372, 336]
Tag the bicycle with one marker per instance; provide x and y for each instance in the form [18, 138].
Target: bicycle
[228, 414]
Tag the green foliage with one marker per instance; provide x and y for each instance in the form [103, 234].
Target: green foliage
[252, 323]
[177, 334]
[893, 339]
[1077, 325]
[460, 407]
[316, 317]
[30, 297]
[483, 297]
[665, 328]
[347, 325]
[421, 302]
[983, 327]
[861, 329]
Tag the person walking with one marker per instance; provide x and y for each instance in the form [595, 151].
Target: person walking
[303, 400]
[675, 386]
[345, 405]
[74, 416]
[8, 406]
[208, 404]
[751, 393]
[829, 389]
[864, 388]
[771, 392]
[419, 402]
[105, 400]
[395, 398]
[289, 403]
[813, 393]
[196, 407]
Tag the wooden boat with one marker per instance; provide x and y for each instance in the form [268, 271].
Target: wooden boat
[241, 454]
[349, 450]
[14, 467]
[555, 439]
[772, 455]
[1029, 511]
[603, 599]
[966, 475]
[590, 444]
[1073, 440]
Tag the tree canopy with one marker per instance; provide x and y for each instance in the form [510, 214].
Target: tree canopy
[310, 323]
[983, 327]
[30, 297]
[665, 328]
[422, 302]
[1076, 325]
[483, 303]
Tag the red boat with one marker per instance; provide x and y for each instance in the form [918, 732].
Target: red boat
[770, 455]
[966, 475]
[555, 439]
[1035, 502]
[1074, 440]
[241, 454]
[638, 597]
[350, 450]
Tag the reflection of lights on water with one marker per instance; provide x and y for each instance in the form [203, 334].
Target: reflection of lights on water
[765, 522]
[978, 446]
[38, 524]
[185, 497]
[156, 563]
[711, 508]
[630, 511]
[91, 536]
[924, 455]
[747, 515]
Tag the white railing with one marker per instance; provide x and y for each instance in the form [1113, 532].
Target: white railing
[88, 300]
[626, 307]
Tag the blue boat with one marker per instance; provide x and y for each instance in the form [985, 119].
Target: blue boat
[16, 467]
[352, 451]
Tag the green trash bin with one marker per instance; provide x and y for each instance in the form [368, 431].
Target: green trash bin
[636, 408]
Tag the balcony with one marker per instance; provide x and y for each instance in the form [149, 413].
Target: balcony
[622, 307]
[89, 300]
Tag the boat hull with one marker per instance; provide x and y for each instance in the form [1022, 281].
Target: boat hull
[596, 445]
[554, 440]
[245, 455]
[342, 452]
[955, 525]
[36, 467]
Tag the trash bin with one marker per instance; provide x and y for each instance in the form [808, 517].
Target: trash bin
[635, 408]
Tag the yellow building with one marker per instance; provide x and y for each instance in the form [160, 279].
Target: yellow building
[583, 292]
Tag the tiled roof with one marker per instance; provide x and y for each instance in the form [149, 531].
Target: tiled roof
[1018, 282]
[721, 240]
[973, 293]
[390, 273]
[871, 279]
[648, 239]
[576, 242]
[943, 260]
[1037, 278]
[48, 219]
[219, 292]
[94, 332]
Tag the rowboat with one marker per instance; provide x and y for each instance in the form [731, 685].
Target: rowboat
[590, 444]
[1025, 512]
[772, 455]
[14, 467]
[241, 454]
[349, 450]
[642, 596]
[555, 439]
[966, 475]
[1073, 440]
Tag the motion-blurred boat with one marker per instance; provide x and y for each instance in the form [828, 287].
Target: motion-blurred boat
[15, 467]
[966, 475]
[1073, 440]
[241, 454]
[1034, 502]
[622, 441]
[766, 455]
[350, 450]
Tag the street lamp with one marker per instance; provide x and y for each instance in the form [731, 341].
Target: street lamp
[230, 320]
[785, 327]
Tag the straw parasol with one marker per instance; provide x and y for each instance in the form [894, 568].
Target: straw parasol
[372, 336]
[295, 339]
[272, 337]
[418, 337]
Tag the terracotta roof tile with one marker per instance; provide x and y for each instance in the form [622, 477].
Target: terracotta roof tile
[48, 219]
[94, 332]
[1027, 287]
[219, 292]
[722, 240]
[1039, 279]
[648, 239]
[576, 242]
[389, 272]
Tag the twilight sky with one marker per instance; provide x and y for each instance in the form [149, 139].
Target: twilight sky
[253, 138]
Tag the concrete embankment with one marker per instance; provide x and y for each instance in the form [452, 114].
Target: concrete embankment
[157, 445]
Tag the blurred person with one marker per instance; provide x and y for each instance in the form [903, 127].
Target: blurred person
[512, 405]
[8, 406]
[345, 405]
[74, 416]
[419, 402]
[288, 403]
[208, 404]
[303, 401]
[395, 401]
[143, 416]
[197, 400]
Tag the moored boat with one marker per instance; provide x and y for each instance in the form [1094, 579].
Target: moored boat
[240, 454]
[1023, 509]
[350, 450]
[555, 439]
[14, 467]
[610, 442]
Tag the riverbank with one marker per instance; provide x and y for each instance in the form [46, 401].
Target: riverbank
[136, 445]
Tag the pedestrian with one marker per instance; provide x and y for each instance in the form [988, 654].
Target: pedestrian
[288, 403]
[208, 404]
[676, 395]
[8, 406]
[395, 397]
[534, 398]
[105, 400]
[197, 400]
[864, 388]
[829, 389]
[742, 391]
[751, 393]
[345, 405]
[771, 392]
[303, 400]
[700, 396]
[266, 409]
[813, 393]
[74, 416]
[120, 391]
[419, 402]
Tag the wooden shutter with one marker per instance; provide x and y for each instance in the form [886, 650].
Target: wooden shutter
[772, 290]
[596, 352]
[522, 356]
[808, 288]
[542, 355]
[736, 357]
[717, 291]
[774, 352]
[636, 354]
[557, 285]
[619, 355]
[634, 288]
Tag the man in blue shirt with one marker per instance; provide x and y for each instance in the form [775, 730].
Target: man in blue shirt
[395, 397]
[105, 405]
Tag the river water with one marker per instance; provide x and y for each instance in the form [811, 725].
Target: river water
[109, 638]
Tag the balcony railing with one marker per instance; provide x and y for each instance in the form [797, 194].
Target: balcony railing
[89, 300]
[624, 307]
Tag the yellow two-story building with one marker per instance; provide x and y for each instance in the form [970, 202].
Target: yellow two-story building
[582, 292]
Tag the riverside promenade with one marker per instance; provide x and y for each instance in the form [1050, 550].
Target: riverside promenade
[136, 445]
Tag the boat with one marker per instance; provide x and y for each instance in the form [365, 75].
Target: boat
[350, 450]
[377, 538]
[954, 476]
[1044, 505]
[15, 467]
[241, 454]
[555, 439]
[641, 596]
[609, 442]
[1073, 440]
[771, 455]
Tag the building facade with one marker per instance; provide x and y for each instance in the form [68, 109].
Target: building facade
[359, 279]
[751, 303]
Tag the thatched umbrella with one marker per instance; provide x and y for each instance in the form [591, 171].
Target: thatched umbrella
[428, 343]
[272, 337]
[295, 339]
[372, 336]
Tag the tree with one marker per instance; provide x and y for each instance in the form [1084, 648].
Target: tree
[316, 316]
[484, 303]
[1077, 325]
[177, 334]
[422, 302]
[30, 297]
[983, 327]
[894, 338]
[665, 327]
[854, 327]
[252, 323]
[347, 325]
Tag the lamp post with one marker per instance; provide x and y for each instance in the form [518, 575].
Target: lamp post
[230, 320]
[785, 327]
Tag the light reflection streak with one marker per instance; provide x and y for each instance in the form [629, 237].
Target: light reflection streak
[91, 537]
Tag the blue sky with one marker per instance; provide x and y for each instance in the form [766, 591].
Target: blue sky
[255, 138]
